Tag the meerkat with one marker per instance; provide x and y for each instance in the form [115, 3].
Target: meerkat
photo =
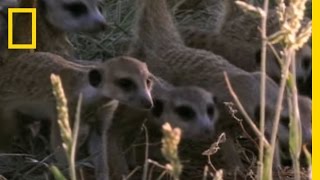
[158, 43]
[29, 92]
[192, 109]
[54, 19]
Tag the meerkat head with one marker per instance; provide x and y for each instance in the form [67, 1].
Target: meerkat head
[304, 70]
[73, 15]
[190, 108]
[124, 79]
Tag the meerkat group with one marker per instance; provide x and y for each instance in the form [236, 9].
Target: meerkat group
[158, 43]
[185, 86]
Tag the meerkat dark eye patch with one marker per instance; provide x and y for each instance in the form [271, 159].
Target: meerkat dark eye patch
[76, 8]
[210, 110]
[157, 109]
[306, 63]
[126, 84]
[185, 112]
[95, 78]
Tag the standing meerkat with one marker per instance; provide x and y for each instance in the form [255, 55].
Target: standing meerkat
[29, 92]
[159, 44]
[54, 19]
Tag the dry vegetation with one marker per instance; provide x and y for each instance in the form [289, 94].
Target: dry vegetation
[32, 158]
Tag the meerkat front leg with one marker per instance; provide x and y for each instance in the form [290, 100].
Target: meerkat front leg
[117, 161]
[98, 140]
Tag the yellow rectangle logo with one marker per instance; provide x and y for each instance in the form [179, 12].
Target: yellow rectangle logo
[33, 26]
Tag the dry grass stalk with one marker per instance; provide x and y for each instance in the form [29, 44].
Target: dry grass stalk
[69, 139]
[214, 148]
[243, 111]
[293, 37]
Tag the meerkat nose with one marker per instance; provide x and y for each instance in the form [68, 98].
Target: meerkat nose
[146, 103]
[101, 23]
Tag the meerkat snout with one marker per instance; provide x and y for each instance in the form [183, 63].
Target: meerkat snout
[74, 16]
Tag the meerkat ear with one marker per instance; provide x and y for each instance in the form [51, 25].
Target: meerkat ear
[158, 107]
[95, 77]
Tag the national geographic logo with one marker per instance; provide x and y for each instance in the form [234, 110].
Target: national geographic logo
[11, 11]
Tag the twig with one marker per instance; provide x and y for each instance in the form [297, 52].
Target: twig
[243, 111]
[268, 169]
[131, 173]
[264, 17]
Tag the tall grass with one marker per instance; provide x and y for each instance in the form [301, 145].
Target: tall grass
[69, 138]
[292, 36]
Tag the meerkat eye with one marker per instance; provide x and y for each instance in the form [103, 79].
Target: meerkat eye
[306, 63]
[185, 112]
[76, 8]
[126, 84]
[210, 110]
[95, 78]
